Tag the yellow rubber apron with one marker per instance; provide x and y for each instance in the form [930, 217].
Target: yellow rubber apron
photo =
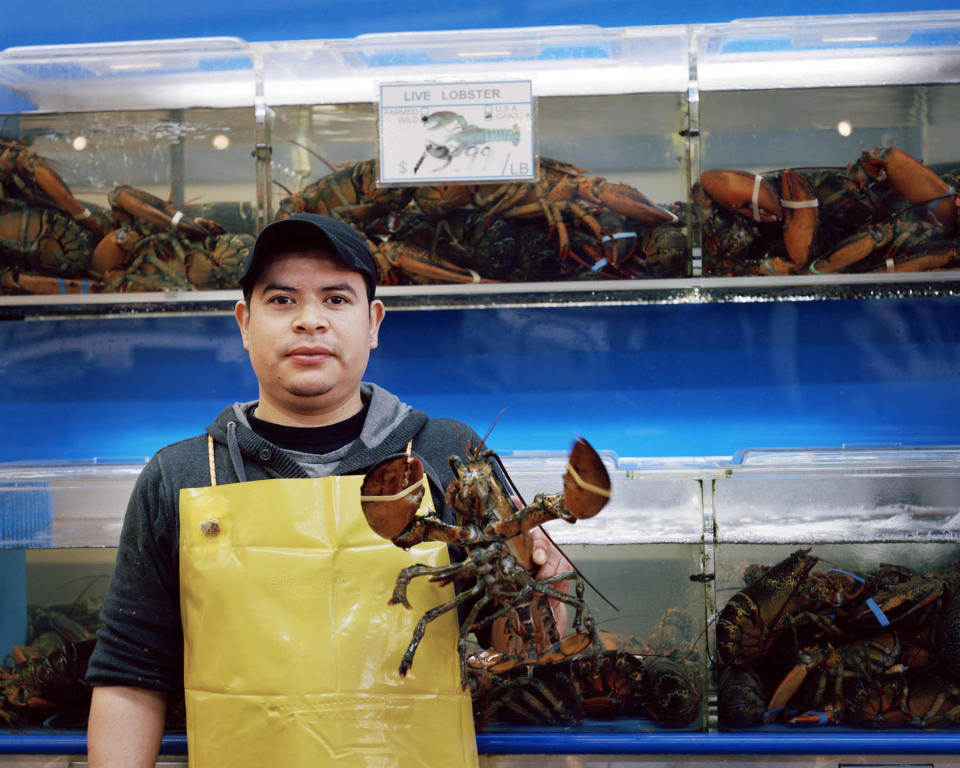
[291, 651]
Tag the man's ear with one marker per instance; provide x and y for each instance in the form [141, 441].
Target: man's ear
[377, 311]
[242, 312]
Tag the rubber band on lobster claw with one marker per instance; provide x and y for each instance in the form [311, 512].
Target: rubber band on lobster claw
[389, 512]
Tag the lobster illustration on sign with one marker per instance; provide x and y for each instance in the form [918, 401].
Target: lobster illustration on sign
[461, 136]
[505, 595]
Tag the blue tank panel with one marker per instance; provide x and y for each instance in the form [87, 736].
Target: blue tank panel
[642, 381]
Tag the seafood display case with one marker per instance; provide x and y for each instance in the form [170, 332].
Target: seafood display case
[127, 167]
[427, 131]
[758, 160]
[61, 524]
[646, 163]
[826, 146]
[835, 591]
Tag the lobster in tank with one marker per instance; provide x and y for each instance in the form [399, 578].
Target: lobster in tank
[886, 212]
[815, 647]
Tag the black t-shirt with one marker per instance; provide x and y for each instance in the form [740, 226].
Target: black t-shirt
[311, 439]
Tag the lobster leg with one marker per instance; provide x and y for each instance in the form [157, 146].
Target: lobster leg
[407, 661]
[442, 575]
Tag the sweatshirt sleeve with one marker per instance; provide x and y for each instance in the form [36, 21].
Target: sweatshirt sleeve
[141, 642]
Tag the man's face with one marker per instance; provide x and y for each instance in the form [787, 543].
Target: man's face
[309, 330]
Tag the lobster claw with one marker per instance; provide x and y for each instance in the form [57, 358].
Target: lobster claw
[748, 194]
[53, 185]
[151, 208]
[624, 200]
[800, 216]
[913, 181]
[418, 264]
[391, 494]
[586, 484]
[790, 684]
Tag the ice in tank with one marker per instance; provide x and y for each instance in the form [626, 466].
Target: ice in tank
[126, 166]
[604, 111]
[826, 145]
[836, 573]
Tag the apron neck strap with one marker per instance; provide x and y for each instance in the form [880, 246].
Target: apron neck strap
[213, 468]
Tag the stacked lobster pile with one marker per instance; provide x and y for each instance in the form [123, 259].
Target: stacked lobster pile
[529, 673]
[44, 678]
[886, 212]
[567, 225]
[811, 647]
[52, 243]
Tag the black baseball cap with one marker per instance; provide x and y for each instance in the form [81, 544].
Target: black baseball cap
[310, 232]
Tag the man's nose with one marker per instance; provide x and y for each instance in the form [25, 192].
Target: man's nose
[311, 316]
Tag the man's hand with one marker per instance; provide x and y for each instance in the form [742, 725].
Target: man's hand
[551, 561]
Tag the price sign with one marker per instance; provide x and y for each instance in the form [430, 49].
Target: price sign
[456, 132]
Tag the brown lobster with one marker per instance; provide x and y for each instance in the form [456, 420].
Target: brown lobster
[492, 530]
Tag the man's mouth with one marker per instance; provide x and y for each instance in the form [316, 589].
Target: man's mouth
[309, 354]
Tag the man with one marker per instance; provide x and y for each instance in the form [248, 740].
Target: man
[308, 319]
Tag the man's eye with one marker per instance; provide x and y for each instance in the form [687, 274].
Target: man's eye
[279, 299]
[337, 299]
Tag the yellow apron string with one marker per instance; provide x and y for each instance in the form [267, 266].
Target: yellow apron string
[213, 467]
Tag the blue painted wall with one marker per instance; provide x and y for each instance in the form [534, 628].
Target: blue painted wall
[65, 21]
[689, 380]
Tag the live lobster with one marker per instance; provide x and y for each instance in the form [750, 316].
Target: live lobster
[492, 530]
[810, 647]
[886, 212]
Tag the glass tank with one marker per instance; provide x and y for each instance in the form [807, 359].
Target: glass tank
[640, 558]
[826, 145]
[60, 526]
[126, 167]
[604, 111]
[565, 163]
[836, 573]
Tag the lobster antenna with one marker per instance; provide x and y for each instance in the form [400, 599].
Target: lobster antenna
[516, 494]
[578, 571]
[316, 154]
[484, 441]
[284, 188]
[464, 446]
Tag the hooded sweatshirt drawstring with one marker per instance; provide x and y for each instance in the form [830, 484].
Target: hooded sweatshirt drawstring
[235, 456]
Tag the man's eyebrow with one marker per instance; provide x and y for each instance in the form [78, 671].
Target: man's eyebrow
[344, 287]
[278, 287]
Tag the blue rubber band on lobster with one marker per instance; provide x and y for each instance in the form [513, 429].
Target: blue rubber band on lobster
[881, 616]
[599, 265]
[931, 204]
[846, 573]
[772, 712]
